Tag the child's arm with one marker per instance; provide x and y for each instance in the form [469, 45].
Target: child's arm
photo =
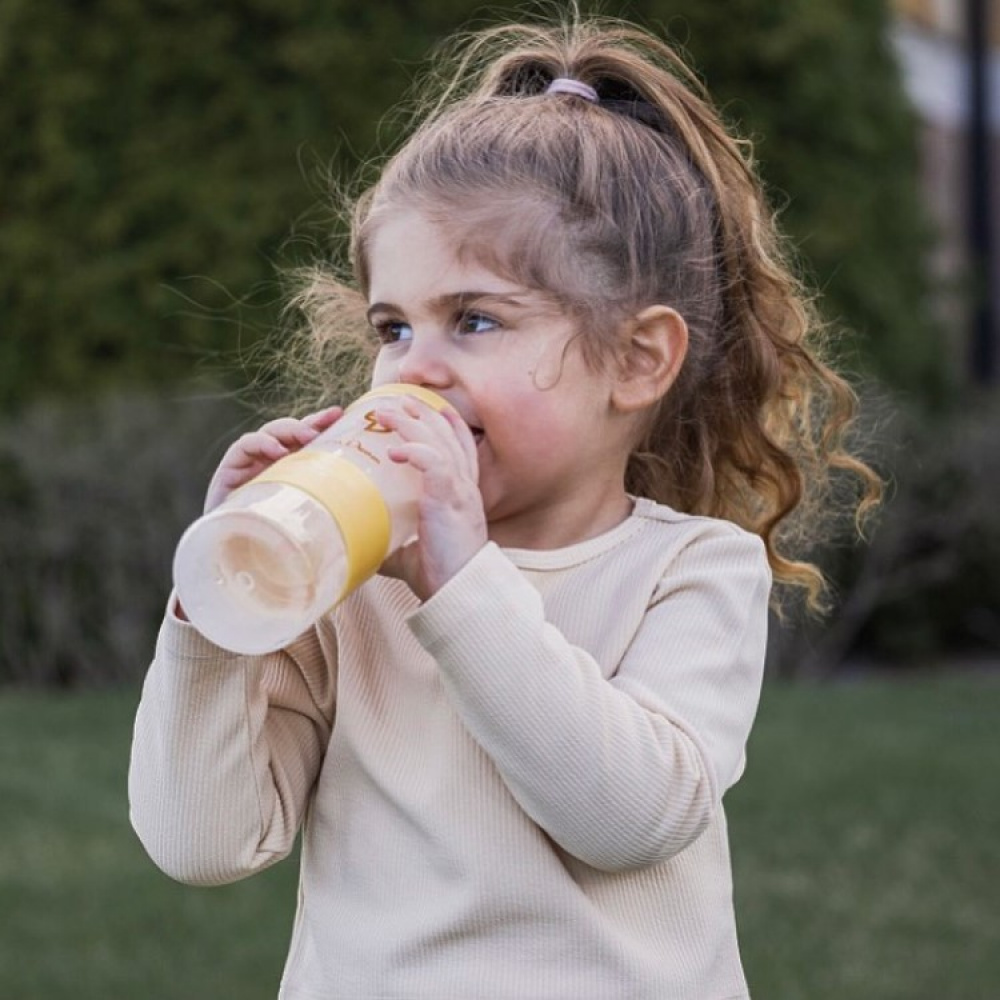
[226, 747]
[626, 771]
[225, 752]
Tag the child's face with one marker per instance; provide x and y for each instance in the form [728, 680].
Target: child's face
[552, 448]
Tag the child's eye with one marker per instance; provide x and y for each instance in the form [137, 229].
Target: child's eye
[392, 332]
[476, 323]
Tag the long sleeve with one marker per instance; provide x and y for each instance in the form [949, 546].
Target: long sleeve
[530, 763]
[623, 764]
[225, 752]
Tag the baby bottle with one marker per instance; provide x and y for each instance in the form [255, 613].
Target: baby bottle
[257, 571]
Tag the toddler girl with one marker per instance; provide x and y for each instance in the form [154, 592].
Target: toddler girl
[507, 753]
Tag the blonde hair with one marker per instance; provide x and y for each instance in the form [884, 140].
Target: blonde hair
[641, 198]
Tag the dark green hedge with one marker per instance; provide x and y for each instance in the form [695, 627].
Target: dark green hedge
[160, 151]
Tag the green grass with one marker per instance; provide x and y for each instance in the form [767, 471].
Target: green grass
[867, 842]
[866, 839]
[83, 912]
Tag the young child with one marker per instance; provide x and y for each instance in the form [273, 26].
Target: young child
[507, 753]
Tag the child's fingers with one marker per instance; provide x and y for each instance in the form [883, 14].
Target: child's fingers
[273, 440]
[422, 457]
[420, 424]
[294, 433]
[252, 448]
[277, 438]
[290, 431]
[250, 454]
[464, 435]
[322, 419]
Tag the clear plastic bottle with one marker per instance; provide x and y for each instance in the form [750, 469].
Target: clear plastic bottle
[281, 551]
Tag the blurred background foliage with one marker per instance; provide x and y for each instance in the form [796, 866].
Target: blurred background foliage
[165, 150]
[163, 160]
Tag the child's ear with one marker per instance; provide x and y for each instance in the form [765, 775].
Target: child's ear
[654, 346]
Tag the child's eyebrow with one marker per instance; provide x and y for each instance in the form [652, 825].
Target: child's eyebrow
[455, 300]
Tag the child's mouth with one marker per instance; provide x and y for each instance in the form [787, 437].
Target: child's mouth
[477, 435]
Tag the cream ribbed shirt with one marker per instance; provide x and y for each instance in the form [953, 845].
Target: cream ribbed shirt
[510, 792]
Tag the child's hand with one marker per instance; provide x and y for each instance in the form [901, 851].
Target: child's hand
[451, 520]
[251, 454]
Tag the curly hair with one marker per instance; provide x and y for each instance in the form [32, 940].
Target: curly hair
[641, 198]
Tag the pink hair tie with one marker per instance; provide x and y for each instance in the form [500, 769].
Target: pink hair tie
[565, 85]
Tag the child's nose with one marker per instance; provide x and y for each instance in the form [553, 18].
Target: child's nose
[424, 363]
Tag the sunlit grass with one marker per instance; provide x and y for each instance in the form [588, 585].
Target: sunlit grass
[866, 837]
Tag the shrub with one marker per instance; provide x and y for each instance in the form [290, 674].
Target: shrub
[93, 497]
[925, 585]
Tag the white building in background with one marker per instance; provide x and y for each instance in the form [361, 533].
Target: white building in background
[933, 45]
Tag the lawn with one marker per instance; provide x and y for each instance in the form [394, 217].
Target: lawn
[866, 837]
